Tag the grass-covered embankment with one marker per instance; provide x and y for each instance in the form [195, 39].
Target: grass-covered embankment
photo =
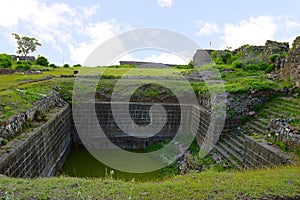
[283, 182]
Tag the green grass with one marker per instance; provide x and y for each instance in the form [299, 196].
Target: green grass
[12, 101]
[283, 181]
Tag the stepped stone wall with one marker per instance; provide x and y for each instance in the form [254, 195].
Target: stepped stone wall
[43, 152]
[261, 155]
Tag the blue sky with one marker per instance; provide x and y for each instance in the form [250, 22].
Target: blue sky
[70, 30]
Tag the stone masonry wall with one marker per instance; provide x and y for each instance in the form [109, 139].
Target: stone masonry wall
[14, 124]
[43, 152]
[261, 155]
[291, 67]
[140, 115]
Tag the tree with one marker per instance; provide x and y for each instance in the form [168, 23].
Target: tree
[41, 60]
[66, 66]
[26, 45]
[5, 61]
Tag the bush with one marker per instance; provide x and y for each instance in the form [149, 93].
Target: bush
[270, 68]
[263, 66]
[23, 67]
[191, 65]
[52, 65]
[226, 57]
[5, 61]
[214, 54]
[77, 65]
[4, 142]
[238, 64]
[41, 60]
[66, 66]
[23, 62]
[250, 67]
[272, 58]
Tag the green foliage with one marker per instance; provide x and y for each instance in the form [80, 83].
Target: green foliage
[298, 151]
[282, 145]
[109, 76]
[4, 142]
[259, 66]
[6, 61]
[122, 66]
[66, 66]
[191, 65]
[272, 58]
[226, 57]
[52, 65]
[283, 55]
[39, 116]
[41, 60]
[77, 65]
[22, 67]
[238, 64]
[214, 54]
[23, 62]
[270, 68]
[194, 148]
[277, 182]
[26, 44]
[157, 146]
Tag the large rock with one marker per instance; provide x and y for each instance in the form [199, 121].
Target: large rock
[290, 69]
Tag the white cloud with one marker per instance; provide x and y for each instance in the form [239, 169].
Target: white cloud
[292, 24]
[56, 24]
[254, 31]
[89, 11]
[97, 33]
[208, 29]
[165, 58]
[165, 3]
[12, 11]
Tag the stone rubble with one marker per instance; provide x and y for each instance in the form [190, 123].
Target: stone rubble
[284, 130]
[14, 124]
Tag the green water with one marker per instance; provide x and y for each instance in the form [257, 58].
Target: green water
[80, 163]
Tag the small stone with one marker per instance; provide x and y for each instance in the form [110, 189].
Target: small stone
[270, 143]
[144, 193]
[252, 113]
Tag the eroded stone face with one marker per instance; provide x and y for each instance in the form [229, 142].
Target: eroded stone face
[291, 67]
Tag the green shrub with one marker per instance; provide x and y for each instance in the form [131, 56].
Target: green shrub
[238, 64]
[226, 57]
[23, 62]
[4, 142]
[283, 55]
[5, 61]
[77, 65]
[122, 66]
[66, 66]
[263, 66]
[52, 65]
[272, 58]
[251, 67]
[23, 67]
[214, 54]
[191, 65]
[41, 60]
[270, 68]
